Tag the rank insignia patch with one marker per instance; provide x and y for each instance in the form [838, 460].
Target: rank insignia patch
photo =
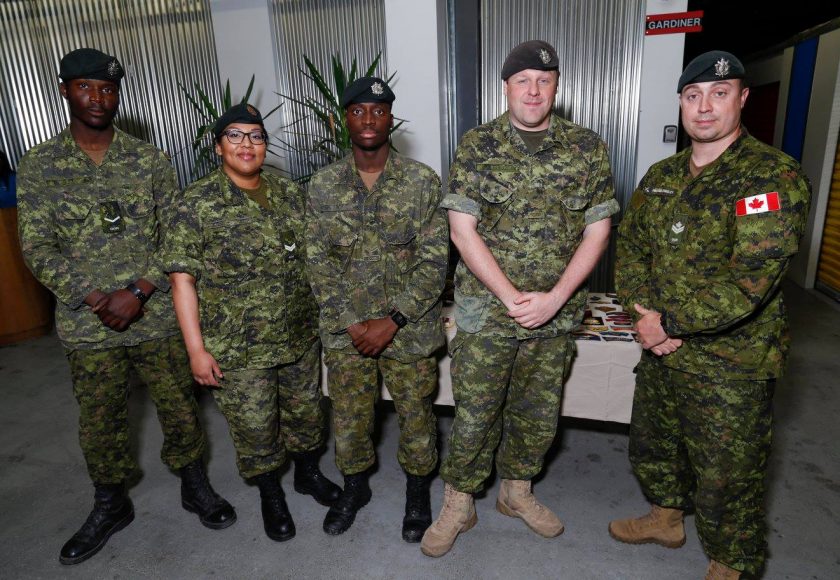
[109, 213]
[760, 203]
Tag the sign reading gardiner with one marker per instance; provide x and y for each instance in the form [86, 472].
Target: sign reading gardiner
[674, 22]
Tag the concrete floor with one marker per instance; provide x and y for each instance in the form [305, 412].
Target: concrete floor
[45, 493]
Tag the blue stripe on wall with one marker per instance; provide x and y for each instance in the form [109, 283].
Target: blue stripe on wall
[799, 97]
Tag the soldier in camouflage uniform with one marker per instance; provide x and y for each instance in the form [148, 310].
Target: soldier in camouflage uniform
[705, 243]
[235, 252]
[377, 252]
[530, 199]
[90, 201]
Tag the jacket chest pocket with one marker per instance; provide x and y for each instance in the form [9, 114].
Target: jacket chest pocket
[342, 229]
[565, 217]
[232, 249]
[141, 221]
[74, 224]
[496, 189]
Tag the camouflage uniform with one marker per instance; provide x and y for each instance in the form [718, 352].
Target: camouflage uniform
[369, 252]
[697, 439]
[84, 227]
[531, 209]
[257, 313]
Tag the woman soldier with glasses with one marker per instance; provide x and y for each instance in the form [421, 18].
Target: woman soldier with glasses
[235, 256]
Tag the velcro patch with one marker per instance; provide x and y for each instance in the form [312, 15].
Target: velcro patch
[760, 203]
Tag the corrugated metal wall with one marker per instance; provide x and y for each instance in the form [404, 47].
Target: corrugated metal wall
[320, 29]
[159, 42]
[600, 47]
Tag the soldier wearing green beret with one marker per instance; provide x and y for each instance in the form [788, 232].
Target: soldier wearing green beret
[702, 250]
[377, 250]
[530, 199]
[90, 201]
[235, 252]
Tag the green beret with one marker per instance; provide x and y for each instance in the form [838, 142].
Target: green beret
[367, 90]
[533, 54]
[89, 63]
[241, 113]
[715, 65]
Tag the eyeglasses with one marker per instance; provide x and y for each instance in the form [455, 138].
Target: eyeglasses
[235, 137]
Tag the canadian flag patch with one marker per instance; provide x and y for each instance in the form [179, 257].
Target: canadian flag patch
[758, 204]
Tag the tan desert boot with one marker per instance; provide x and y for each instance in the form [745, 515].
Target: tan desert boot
[457, 515]
[517, 501]
[663, 526]
[718, 571]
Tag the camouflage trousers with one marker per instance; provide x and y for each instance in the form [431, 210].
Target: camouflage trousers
[101, 387]
[703, 442]
[354, 388]
[272, 411]
[506, 390]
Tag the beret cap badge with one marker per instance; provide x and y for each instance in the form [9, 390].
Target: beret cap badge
[114, 69]
[722, 67]
[544, 56]
[377, 88]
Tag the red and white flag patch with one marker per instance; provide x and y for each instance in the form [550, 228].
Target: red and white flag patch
[758, 204]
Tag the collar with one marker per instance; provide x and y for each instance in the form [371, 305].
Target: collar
[394, 170]
[69, 148]
[725, 161]
[556, 134]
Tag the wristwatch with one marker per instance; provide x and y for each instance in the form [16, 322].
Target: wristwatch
[139, 294]
[398, 318]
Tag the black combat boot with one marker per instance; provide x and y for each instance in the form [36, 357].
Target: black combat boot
[199, 498]
[418, 508]
[355, 496]
[310, 481]
[112, 511]
[276, 517]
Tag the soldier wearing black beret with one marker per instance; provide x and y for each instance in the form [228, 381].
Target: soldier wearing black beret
[520, 289]
[705, 242]
[375, 321]
[89, 205]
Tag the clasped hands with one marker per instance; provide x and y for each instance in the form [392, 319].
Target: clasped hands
[117, 310]
[371, 337]
[651, 334]
[533, 309]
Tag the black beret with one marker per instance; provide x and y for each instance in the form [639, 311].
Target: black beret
[715, 65]
[241, 113]
[533, 54]
[367, 90]
[89, 63]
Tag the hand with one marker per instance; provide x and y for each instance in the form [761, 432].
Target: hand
[649, 327]
[664, 349]
[118, 309]
[380, 332]
[533, 309]
[205, 369]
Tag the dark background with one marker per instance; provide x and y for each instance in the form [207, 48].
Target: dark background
[748, 27]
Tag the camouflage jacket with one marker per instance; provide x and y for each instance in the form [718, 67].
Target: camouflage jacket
[372, 251]
[714, 275]
[531, 210]
[84, 227]
[255, 304]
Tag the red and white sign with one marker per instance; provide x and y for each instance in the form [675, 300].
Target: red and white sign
[758, 204]
[674, 22]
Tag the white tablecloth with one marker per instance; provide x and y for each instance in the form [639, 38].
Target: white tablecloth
[600, 385]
